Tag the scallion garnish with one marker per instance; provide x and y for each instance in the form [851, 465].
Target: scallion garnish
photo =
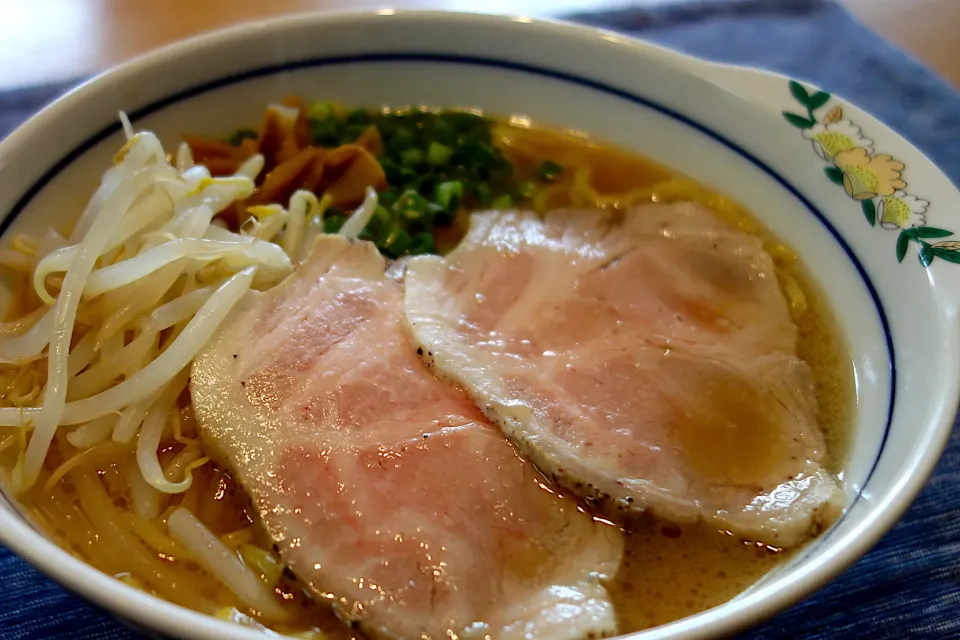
[549, 171]
[237, 137]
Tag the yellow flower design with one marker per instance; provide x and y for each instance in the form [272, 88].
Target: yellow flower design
[901, 211]
[866, 177]
[834, 137]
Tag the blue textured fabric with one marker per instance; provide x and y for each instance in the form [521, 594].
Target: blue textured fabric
[909, 586]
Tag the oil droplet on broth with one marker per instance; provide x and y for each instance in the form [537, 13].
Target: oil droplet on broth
[672, 571]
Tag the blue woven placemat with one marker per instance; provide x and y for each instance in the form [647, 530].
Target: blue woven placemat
[909, 585]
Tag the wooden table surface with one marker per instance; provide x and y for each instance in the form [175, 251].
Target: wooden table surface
[48, 40]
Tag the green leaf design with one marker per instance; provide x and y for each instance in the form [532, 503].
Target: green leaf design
[903, 241]
[947, 254]
[799, 93]
[800, 122]
[817, 100]
[930, 232]
[835, 175]
[926, 253]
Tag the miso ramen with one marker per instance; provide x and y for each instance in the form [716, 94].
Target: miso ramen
[105, 450]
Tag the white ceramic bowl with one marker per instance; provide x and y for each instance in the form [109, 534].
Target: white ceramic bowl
[899, 315]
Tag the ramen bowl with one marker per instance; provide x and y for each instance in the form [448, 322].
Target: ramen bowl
[869, 215]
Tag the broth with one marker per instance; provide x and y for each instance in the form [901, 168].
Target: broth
[669, 571]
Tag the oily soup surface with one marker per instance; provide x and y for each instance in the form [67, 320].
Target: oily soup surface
[672, 571]
[669, 571]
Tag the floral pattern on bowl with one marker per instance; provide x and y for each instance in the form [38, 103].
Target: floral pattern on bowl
[875, 180]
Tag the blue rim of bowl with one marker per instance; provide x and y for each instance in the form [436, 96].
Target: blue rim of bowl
[495, 63]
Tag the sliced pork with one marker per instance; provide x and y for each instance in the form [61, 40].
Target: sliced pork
[644, 361]
[385, 489]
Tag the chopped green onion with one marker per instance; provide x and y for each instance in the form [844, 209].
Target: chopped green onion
[549, 171]
[332, 224]
[324, 132]
[359, 117]
[422, 243]
[434, 163]
[386, 124]
[464, 122]
[448, 194]
[380, 220]
[411, 157]
[479, 154]
[438, 154]
[401, 139]
[391, 170]
[411, 206]
[238, 136]
[397, 242]
[387, 197]
[484, 194]
[350, 132]
[443, 133]
[426, 183]
[320, 111]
